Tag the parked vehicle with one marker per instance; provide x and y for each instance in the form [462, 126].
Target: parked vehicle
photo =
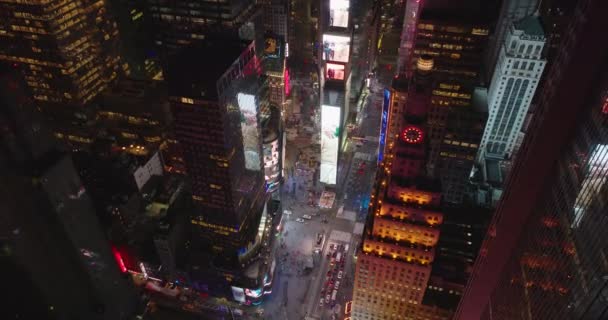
[300, 220]
[307, 217]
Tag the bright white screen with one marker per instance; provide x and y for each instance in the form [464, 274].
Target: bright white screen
[336, 48]
[338, 13]
[330, 138]
[250, 130]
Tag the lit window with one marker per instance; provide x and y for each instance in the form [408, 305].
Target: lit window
[187, 100]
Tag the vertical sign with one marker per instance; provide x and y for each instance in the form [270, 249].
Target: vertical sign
[384, 123]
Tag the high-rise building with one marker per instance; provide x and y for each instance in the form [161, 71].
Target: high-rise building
[455, 40]
[180, 23]
[398, 246]
[217, 123]
[510, 11]
[543, 256]
[69, 51]
[49, 229]
[518, 71]
[276, 17]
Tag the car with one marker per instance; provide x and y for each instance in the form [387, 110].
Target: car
[329, 273]
[331, 246]
[360, 171]
[327, 297]
[321, 302]
[337, 285]
[340, 273]
[307, 217]
[328, 254]
[287, 212]
[300, 220]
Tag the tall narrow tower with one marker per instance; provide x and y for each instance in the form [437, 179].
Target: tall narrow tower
[518, 71]
[397, 250]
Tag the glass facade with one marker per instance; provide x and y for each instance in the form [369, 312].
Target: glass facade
[558, 269]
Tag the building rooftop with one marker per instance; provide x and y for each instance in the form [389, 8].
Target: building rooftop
[194, 71]
[530, 25]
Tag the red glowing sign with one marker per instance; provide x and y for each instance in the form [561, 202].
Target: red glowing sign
[412, 134]
[605, 106]
[118, 257]
[287, 84]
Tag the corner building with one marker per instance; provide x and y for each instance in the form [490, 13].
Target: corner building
[398, 246]
[216, 104]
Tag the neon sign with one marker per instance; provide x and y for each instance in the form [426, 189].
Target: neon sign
[384, 123]
[412, 135]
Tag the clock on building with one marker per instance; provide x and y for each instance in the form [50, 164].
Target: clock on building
[412, 134]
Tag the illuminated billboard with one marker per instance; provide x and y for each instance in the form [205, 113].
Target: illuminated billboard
[384, 123]
[330, 139]
[334, 71]
[238, 294]
[272, 47]
[250, 129]
[338, 13]
[336, 48]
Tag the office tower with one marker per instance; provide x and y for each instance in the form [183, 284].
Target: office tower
[518, 71]
[180, 23]
[216, 102]
[510, 11]
[276, 17]
[455, 39]
[49, 229]
[137, 45]
[398, 246]
[335, 92]
[543, 255]
[69, 51]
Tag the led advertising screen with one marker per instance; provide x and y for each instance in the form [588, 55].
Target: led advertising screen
[238, 294]
[330, 139]
[334, 71]
[336, 48]
[272, 47]
[250, 129]
[384, 123]
[338, 13]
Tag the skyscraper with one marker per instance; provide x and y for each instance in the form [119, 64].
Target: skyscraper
[69, 50]
[397, 249]
[455, 38]
[518, 71]
[179, 23]
[543, 256]
[217, 123]
[49, 229]
[510, 11]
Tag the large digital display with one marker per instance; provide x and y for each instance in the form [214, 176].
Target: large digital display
[330, 139]
[336, 48]
[272, 47]
[384, 123]
[238, 294]
[250, 129]
[334, 71]
[338, 13]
